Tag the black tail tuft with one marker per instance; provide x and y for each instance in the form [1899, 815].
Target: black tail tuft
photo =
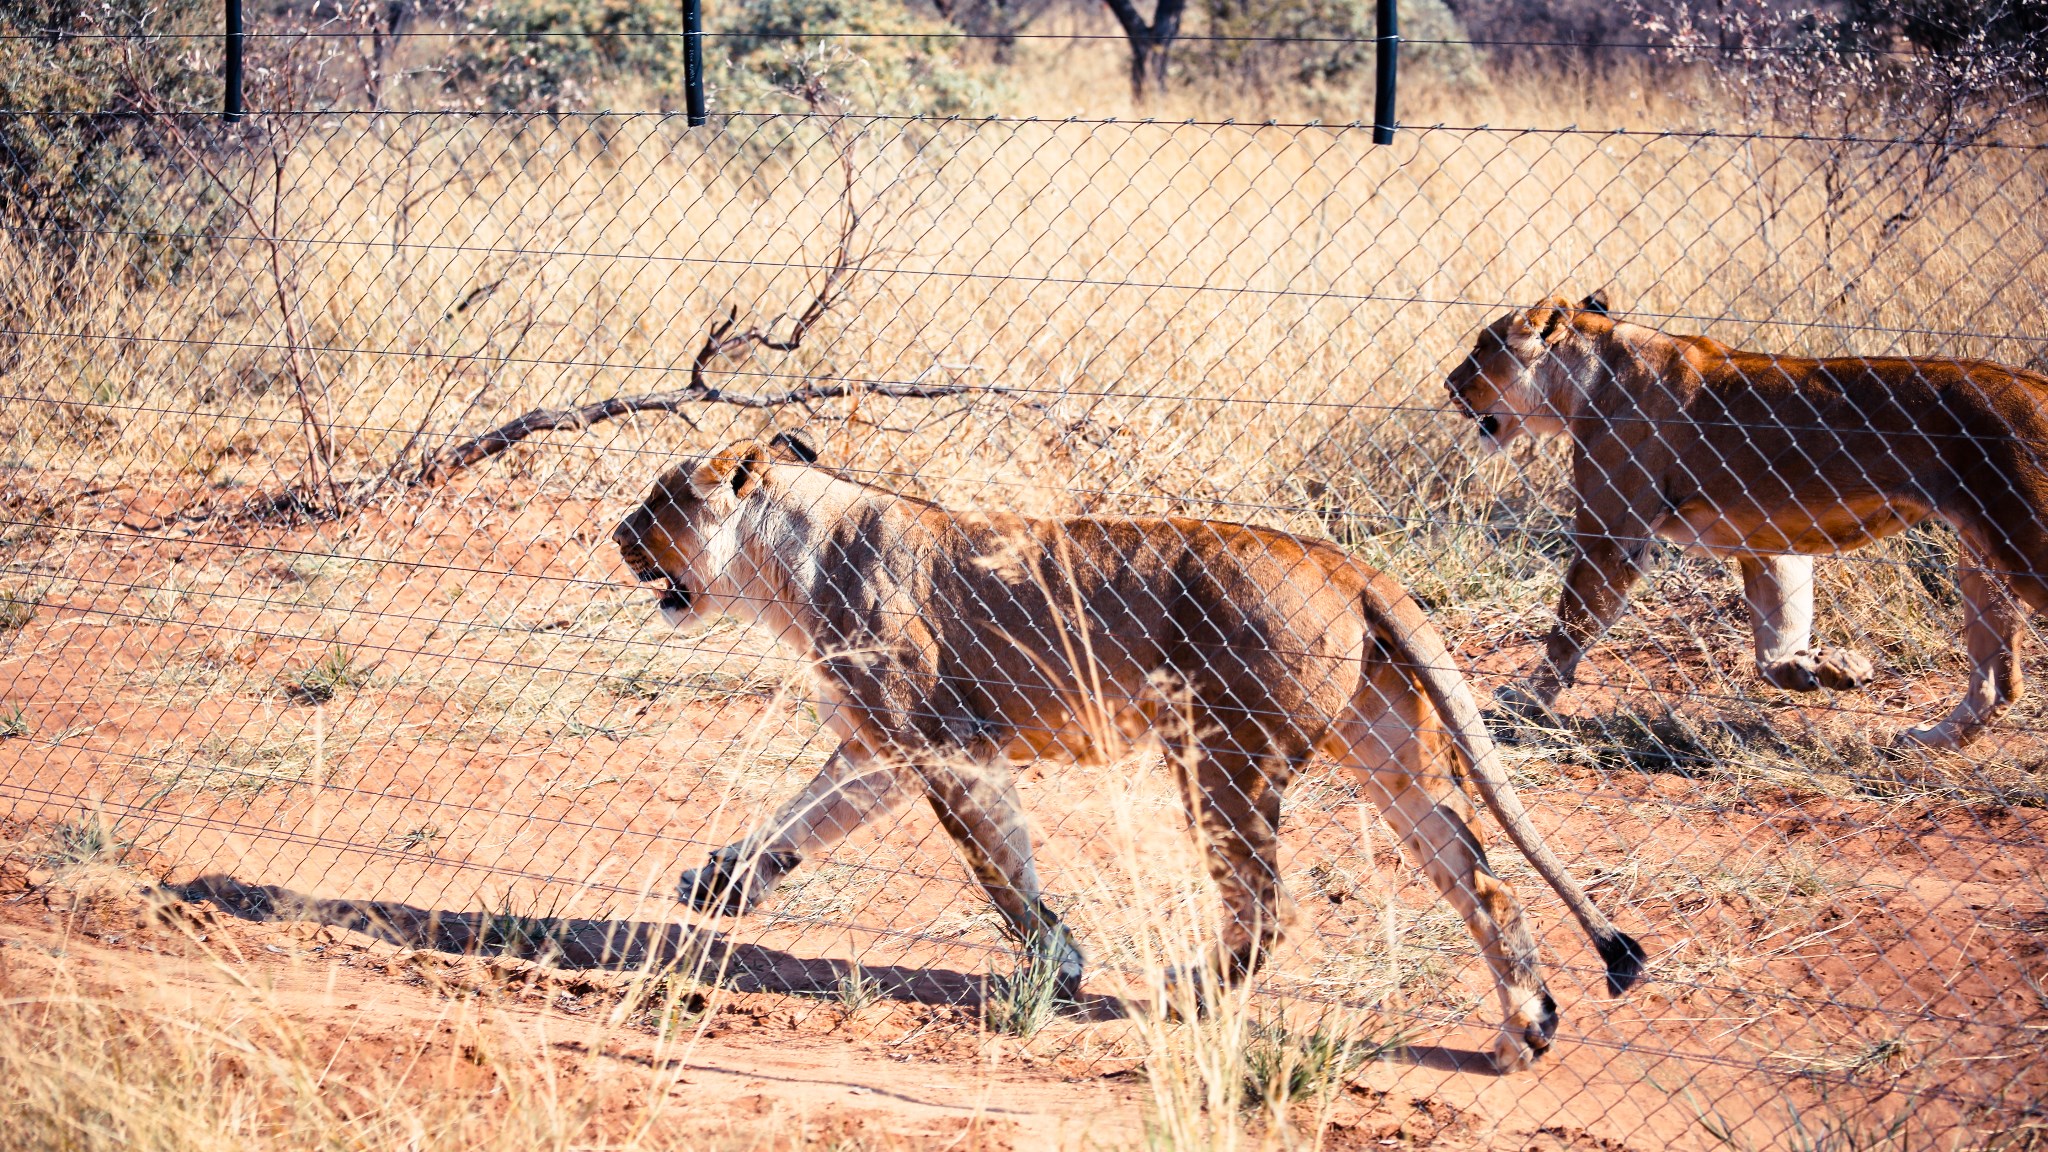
[1624, 959]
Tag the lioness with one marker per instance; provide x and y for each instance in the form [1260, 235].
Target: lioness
[1770, 461]
[956, 644]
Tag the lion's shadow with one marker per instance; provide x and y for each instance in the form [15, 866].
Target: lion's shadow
[604, 945]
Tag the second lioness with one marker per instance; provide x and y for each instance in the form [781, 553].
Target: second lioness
[1769, 461]
[954, 644]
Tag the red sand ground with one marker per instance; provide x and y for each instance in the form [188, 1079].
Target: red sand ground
[1856, 953]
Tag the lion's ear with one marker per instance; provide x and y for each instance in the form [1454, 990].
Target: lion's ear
[795, 445]
[1548, 319]
[1595, 303]
[738, 467]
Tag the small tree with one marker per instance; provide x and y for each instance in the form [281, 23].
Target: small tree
[1151, 41]
[1892, 93]
[1269, 42]
[995, 21]
[561, 55]
[544, 55]
[84, 167]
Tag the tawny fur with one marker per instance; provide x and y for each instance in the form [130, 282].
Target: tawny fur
[953, 645]
[1769, 461]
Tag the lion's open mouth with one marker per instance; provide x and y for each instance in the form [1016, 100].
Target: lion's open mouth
[1489, 426]
[676, 599]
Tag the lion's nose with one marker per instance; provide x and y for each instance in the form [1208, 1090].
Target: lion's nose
[625, 536]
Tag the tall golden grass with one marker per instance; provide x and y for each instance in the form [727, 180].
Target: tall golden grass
[91, 1068]
[1228, 320]
[1204, 313]
[1241, 321]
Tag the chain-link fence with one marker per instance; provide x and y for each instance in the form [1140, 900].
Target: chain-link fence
[318, 427]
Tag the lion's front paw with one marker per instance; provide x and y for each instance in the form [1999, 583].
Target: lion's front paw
[1816, 668]
[733, 883]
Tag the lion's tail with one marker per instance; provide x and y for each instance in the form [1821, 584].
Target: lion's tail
[1420, 645]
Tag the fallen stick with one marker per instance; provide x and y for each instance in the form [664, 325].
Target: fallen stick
[503, 438]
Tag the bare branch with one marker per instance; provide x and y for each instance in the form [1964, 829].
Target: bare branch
[727, 340]
[457, 457]
[503, 438]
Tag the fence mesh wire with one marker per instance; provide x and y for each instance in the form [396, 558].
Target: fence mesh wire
[281, 606]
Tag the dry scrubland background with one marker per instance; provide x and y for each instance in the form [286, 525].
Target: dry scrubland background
[447, 696]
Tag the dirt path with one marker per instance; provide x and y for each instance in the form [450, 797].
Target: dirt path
[749, 1070]
[320, 730]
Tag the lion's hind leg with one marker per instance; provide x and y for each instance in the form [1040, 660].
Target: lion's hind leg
[1779, 591]
[1233, 798]
[1993, 622]
[977, 806]
[1393, 742]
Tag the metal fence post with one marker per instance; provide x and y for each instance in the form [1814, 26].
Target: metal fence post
[1386, 52]
[693, 61]
[231, 69]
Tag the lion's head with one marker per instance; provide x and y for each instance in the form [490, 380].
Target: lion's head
[1498, 384]
[685, 535]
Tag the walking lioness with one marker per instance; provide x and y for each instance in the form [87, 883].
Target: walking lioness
[1770, 461]
[956, 644]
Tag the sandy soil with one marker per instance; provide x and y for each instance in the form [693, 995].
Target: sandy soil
[510, 734]
[753, 1074]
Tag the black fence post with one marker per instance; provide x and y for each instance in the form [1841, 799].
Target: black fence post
[1386, 55]
[693, 61]
[231, 69]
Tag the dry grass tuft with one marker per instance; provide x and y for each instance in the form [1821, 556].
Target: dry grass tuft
[1286, 1065]
[84, 841]
[86, 1069]
[285, 751]
[342, 669]
[1024, 1001]
[18, 607]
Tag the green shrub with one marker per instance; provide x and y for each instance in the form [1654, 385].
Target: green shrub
[86, 164]
[546, 55]
[1327, 41]
[571, 55]
[771, 50]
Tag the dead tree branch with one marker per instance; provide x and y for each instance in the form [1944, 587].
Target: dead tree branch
[727, 340]
[466, 453]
